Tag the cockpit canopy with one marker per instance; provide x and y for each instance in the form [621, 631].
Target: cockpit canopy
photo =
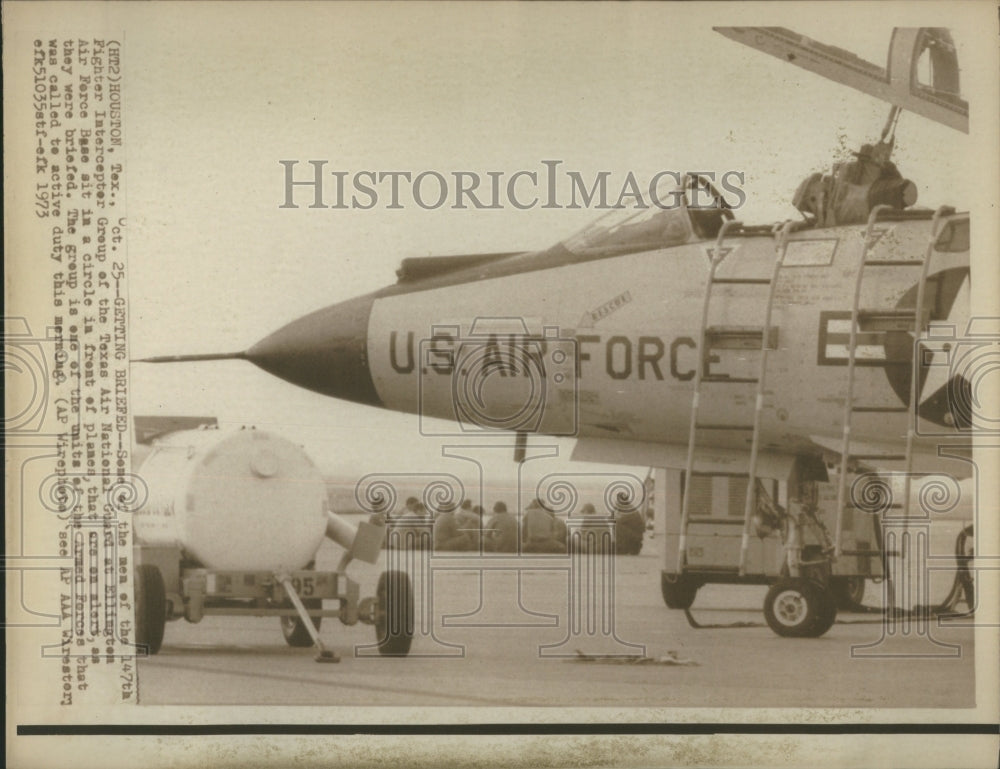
[670, 220]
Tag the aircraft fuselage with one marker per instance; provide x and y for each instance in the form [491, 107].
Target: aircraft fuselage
[609, 346]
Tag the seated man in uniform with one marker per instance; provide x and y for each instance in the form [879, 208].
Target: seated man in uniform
[501, 534]
[414, 518]
[592, 532]
[469, 522]
[423, 516]
[447, 532]
[540, 530]
[851, 192]
[561, 533]
[629, 530]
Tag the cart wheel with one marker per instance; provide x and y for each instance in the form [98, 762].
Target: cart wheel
[678, 590]
[394, 614]
[848, 592]
[296, 634]
[150, 607]
[797, 608]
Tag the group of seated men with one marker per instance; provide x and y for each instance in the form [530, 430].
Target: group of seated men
[462, 528]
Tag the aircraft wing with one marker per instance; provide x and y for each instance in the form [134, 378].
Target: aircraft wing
[897, 83]
[933, 461]
[149, 428]
[770, 463]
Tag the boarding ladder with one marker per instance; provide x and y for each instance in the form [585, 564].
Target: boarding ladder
[882, 319]
[760, 339]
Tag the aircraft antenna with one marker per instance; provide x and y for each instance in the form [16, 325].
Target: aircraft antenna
[193, 358]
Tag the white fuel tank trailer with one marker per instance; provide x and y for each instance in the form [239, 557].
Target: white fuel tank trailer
[234, 500]
[231, 525]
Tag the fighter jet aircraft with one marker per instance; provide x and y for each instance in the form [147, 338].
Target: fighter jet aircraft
[674, 336]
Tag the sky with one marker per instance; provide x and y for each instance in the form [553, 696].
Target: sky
[217, 95]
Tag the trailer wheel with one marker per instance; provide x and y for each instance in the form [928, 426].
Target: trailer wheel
[150, 607]
[826, 613]
[798, 608]
[848, 592]
[965, 552]
[394, 614]
[678, 590]
[295, 632]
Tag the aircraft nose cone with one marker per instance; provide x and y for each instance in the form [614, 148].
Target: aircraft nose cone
[325, 351]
